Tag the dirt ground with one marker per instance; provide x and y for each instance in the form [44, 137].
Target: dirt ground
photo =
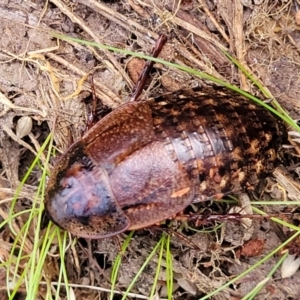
[43, 82]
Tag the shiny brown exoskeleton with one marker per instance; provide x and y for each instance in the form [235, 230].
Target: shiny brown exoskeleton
[146, 161]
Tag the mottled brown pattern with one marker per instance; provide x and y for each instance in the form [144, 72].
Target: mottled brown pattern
[221, 138]
[146, 161]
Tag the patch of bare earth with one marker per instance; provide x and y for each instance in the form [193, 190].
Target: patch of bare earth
[43, 82]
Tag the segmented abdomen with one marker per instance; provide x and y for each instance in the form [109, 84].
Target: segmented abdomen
[221, 139]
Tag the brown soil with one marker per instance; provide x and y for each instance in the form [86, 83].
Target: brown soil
[40, 79]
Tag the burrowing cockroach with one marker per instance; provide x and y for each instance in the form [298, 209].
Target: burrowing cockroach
[148, 160]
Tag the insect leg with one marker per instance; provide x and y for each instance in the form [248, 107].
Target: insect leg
[147, 68]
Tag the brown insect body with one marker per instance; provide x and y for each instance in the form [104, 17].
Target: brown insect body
[146, 161]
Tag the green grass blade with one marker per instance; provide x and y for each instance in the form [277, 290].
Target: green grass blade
[29, 273]
[257, 289]
[202, 75]
[117, 264]
[169, 268]
[252, 267]
[154, 250]
[159, 263]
